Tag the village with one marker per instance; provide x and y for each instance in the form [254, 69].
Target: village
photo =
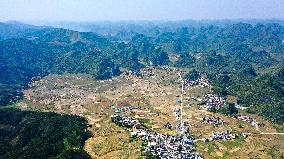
[156, 112]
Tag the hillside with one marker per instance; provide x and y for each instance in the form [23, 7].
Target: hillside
[240, 66]
[26, 134]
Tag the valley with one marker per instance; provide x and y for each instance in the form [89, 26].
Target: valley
[149, 97]
[181, 89]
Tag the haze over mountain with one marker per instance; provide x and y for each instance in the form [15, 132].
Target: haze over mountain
[116, 10]
[141, 79]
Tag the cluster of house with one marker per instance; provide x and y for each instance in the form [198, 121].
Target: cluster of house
[168, 126]
[169, 68]
[202, 81]
[149, 72]
[126, 108]
[246, 118]
[177, 113]
[216, 121]
[213, 101]
[161, 145]
[182, 127]
[223, 135]
[240, 107]
[127, 122]
[169, 147]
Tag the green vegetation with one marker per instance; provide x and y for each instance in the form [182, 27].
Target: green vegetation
[234, 143]
[228, 109]
[231, 57]
[273, 152]
[186, 60]
[192, 75]
[25, 134]
[240, 59]
[211, 147]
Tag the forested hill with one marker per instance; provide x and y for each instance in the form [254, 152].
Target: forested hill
[241, 59]
[14, 29]
[34, 135]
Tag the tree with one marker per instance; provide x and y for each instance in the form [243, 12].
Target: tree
[185, 60]
[229, 109]
[192, 75]
[221, 83]
[158, 57]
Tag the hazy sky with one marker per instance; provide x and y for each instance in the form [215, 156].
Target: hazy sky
[91, 10]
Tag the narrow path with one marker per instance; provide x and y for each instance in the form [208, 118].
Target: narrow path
[271, 133]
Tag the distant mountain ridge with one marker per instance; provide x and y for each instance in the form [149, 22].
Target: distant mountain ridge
[115, 29]
[234, 57]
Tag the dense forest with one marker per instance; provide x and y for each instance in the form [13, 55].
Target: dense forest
[245, 60]
[33, 135]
